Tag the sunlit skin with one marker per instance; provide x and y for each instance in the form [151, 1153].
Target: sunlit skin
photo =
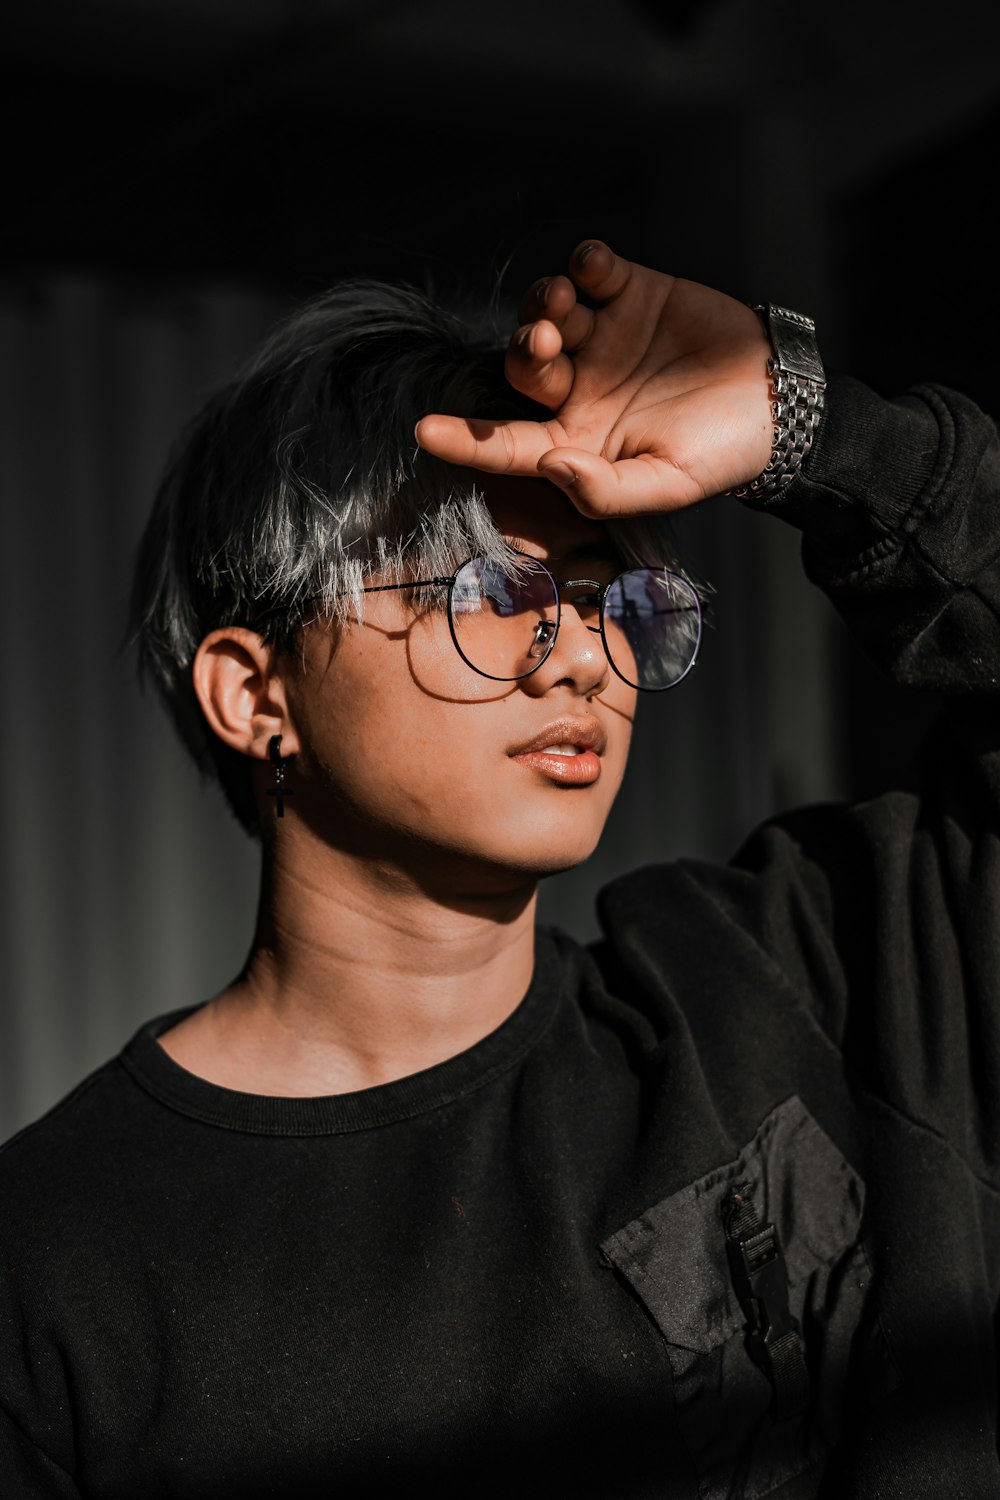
[413, 839]
[405, 750]
[396, 922]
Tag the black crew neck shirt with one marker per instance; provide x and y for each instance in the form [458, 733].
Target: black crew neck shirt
[512, 1272]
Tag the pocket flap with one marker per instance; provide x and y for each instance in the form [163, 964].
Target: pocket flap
[674, 1254]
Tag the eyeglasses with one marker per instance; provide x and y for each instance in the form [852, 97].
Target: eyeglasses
[504, 619]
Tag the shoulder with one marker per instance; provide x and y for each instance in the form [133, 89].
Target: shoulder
[59, 1127]
[75, 1162]
[797, 907]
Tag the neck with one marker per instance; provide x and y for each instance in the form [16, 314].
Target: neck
[360, 974]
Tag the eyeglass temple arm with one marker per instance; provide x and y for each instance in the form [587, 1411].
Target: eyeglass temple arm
[417, 583]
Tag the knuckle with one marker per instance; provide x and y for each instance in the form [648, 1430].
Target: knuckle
[588, 506]
[509, 450]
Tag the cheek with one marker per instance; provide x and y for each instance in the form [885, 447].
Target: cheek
[397, 725]
[437, 669]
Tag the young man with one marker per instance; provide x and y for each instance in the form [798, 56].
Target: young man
[426, 1196]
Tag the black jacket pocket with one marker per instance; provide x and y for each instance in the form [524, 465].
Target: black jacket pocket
[675, 1258]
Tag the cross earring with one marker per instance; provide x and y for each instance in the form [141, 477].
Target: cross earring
[279, 791]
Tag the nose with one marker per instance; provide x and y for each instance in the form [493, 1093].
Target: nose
[576, 660]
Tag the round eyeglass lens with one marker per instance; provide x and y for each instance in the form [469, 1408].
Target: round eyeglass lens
[504, 616]
[652, 627]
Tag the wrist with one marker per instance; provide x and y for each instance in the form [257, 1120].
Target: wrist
[798, 385]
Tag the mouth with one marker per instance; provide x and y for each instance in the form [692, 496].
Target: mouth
[567, 751]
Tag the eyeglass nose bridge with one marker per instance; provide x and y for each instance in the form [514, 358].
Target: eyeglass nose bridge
[600, 589]
[546, 631]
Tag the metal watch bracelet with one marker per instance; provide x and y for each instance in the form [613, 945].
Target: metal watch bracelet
[798, 385]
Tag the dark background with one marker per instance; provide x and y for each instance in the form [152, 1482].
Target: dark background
[178, 172]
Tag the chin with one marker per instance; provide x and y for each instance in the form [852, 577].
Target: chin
[548, 851]
[558, 864]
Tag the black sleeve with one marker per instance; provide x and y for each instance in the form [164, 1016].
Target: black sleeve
[899, 505]
[878, 921]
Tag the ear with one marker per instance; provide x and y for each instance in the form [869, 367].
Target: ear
[242, 692]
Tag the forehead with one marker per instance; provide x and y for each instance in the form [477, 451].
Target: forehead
[543, 520]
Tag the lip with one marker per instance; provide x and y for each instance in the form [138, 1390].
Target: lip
[581, 730]
[582, 769]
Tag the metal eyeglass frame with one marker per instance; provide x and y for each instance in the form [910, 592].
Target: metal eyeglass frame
[602, 593]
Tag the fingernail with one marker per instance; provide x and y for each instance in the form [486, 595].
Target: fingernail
[585, 253]
[561, 473]
[543, 291]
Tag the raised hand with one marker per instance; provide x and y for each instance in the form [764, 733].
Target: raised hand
[659, 395]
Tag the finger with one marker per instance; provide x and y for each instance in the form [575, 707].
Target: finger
[496, 447]
[536, 365]
[554, 299]
[576, 328]
[629, 487]
[550, 297]
[598, 271]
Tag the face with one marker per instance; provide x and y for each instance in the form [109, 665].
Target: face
[408, 755]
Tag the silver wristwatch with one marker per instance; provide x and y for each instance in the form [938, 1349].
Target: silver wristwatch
[798, 385]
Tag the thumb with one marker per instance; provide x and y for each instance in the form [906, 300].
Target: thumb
[630, 486]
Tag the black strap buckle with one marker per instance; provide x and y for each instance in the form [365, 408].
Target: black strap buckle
[760, 1280]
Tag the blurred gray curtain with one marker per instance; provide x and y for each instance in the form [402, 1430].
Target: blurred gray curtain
[126, 887]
